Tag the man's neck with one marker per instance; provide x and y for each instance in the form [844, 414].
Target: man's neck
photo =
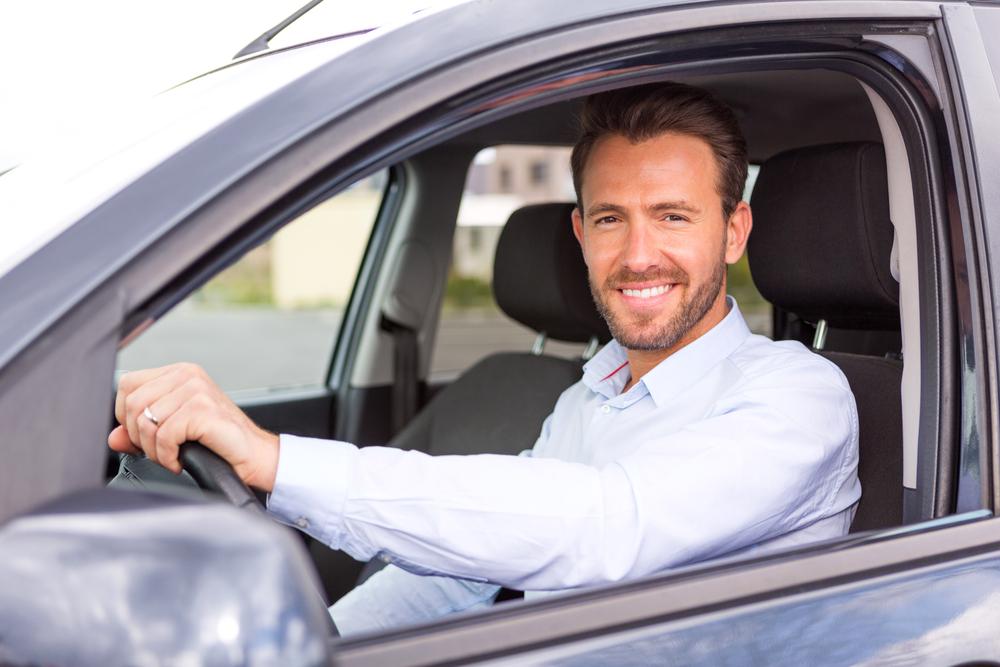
[641, 362]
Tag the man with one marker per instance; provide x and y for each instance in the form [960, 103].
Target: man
[688, 438]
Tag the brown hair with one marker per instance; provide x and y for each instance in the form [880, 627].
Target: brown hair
[645, 112]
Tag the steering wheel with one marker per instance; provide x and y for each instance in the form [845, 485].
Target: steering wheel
[214, 474]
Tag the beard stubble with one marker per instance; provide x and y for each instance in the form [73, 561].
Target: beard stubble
[641, 331]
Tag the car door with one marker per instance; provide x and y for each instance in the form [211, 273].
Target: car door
[924, 592]
[905, 53]
[925, 595]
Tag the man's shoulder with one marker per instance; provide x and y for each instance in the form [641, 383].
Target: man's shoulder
[760, 358]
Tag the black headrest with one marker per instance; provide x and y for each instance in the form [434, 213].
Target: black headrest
[822, 239]
[540, 278]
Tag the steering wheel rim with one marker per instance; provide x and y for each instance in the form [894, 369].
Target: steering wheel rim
[214, 474]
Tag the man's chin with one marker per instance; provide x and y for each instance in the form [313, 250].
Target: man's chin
[643, 336]
[649, 343]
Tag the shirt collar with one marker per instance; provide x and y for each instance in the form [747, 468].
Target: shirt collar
[607, 372]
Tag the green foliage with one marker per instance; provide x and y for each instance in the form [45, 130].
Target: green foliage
[739, 284]
[468, 293]
[246, 282]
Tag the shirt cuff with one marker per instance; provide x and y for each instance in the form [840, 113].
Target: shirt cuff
[310, 488]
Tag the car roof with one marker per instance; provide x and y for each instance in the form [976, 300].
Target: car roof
[91, 169]
[93, 166]
[318, 20]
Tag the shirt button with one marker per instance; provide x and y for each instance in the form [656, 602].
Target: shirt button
[385, 558]
[302, 522]
[605, 409]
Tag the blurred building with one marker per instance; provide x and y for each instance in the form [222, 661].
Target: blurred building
[314, 260]
[500, 181]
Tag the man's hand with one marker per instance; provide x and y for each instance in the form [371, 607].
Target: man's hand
[187, 405]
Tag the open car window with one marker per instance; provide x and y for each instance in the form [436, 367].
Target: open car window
[270, 320]
[500, 180]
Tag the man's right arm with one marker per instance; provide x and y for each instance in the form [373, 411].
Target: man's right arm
[774, 456]
[393, 597]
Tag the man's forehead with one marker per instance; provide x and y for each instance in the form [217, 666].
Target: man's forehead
[662, 146]
[677, 162]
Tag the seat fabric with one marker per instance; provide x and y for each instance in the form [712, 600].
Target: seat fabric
[495, 407]
[880, 421]
[821, 249]
[498, 405]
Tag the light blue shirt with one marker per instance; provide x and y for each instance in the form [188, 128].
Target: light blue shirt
[733, 444]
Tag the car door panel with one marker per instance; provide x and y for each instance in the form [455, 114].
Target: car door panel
[918, 595]
[310, 414]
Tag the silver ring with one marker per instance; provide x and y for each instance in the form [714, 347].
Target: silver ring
[149, 415]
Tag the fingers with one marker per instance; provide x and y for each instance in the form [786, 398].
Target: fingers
[186, 412]
[160, 391]
[164, 407]
[139, 391]
[186, 422]
[118, 441]
[161, 397]
[132, 381]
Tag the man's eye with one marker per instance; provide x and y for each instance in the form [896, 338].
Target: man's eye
[606, 220]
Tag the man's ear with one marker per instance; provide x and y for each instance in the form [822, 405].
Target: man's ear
[578, 230]
[737, 232]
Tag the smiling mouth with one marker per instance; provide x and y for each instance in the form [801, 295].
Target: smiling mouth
[646, 292]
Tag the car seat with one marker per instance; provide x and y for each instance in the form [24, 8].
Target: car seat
[498, 405]
[821, 249]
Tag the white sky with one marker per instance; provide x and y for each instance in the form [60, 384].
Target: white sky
[64, 62]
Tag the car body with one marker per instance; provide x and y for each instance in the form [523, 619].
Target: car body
[107, 239]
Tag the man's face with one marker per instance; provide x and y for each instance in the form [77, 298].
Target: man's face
[655, 240]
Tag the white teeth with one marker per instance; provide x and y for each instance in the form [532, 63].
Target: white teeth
[645, 293]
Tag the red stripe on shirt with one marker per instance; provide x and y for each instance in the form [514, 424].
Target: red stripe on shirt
[616, 370]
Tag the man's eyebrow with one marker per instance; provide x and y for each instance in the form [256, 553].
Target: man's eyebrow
[598, 209]
[674, 206]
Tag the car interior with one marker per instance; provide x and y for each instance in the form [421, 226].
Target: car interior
[831, 250]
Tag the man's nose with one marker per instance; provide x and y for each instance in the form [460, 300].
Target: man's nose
[640, 253]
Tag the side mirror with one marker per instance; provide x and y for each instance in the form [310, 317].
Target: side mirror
[111, 577]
